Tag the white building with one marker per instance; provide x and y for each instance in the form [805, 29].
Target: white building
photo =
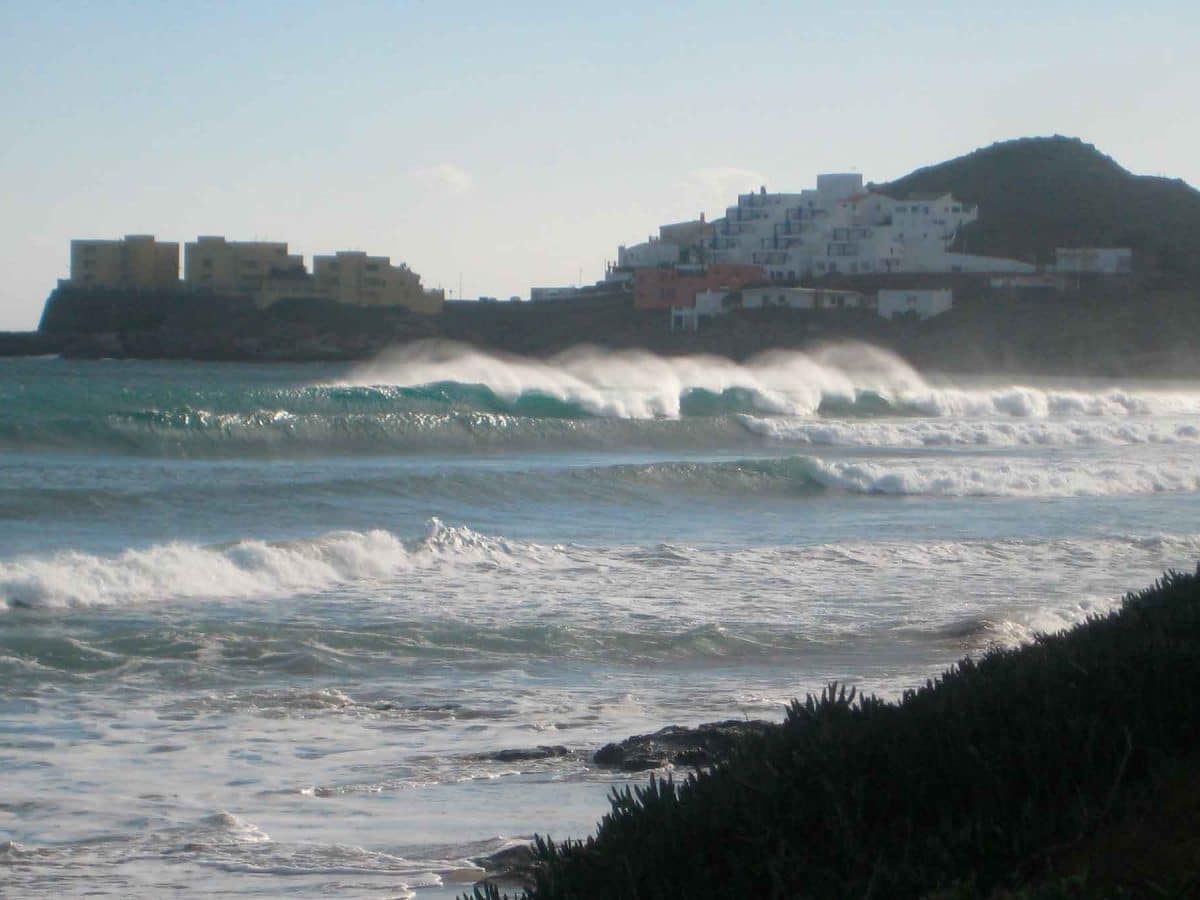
[710, 304]
[836, 228]
[921, 304]
[673, 245]
[654, 252]
[1093, 260]
[800, 298]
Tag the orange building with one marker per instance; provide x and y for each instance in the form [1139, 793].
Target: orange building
[663, 288]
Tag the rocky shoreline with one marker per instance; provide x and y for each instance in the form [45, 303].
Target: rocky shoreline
[697, 747]
[1117, 329]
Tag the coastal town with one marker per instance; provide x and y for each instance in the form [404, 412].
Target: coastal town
[802, 251]
[776, 250]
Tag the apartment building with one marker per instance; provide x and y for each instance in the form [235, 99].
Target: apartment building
[135, 262]
[837, 228]
[353, 277]
[212, 263]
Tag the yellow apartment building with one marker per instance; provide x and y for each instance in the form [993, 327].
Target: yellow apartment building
[137, 262]
[214, 264]
[353, 277]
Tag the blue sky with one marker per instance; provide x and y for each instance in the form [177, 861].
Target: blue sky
[520, 143]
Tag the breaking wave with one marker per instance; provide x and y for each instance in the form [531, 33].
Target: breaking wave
[436, 396]
[248, 569]
[363, 564]
[846, 380]
[975, 433]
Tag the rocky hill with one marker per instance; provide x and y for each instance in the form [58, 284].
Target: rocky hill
[1036, 194]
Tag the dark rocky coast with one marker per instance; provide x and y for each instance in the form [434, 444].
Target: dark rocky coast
[1110, 328]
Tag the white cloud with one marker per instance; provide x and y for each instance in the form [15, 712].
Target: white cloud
[719, 186]
[445, 176]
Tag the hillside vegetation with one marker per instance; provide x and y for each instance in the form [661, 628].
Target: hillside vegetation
[1063, 768]
[1036, 194]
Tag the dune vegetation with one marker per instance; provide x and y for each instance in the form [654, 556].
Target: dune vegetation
[1063, 768]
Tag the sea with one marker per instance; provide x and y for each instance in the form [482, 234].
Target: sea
[264, 628]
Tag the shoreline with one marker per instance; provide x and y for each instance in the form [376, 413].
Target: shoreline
[1118, 329]
[1064, 767]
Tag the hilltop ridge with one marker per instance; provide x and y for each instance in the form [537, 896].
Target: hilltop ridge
[1039, 193]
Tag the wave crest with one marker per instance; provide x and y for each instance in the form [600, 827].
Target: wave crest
[246, 570]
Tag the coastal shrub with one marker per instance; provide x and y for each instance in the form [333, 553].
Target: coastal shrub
[970, 785]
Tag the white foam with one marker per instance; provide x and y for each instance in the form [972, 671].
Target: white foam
[1007, 477]
[249, 569]
[973, 432]
[1019, 401]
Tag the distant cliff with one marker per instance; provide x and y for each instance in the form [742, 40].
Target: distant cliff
[1036, 194]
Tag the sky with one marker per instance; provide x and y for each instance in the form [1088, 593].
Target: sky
[502, 146]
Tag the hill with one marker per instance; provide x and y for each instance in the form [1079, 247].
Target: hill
[1036, 194]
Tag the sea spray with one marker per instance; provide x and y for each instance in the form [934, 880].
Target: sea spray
[640, 385]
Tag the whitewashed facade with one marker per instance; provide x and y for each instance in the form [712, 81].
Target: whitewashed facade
[922, 304]
[837, 228]
[708, 305]
[800, 298]
[1093, 260]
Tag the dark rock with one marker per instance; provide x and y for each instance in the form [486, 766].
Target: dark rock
[524, 754]
[28, 343]
[697, 747]
[510, 867]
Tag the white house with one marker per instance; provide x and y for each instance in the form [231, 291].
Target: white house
[654, 252]
[923, 304]
[708, 305]
[1093, 260]
[800, 298]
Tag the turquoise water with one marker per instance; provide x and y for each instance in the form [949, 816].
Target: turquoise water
[260, 626]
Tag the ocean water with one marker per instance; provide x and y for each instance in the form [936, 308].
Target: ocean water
[261, 626]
